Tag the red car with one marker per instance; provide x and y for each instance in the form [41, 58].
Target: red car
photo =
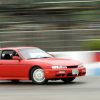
[32, 63]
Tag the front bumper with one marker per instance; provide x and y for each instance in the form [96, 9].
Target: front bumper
[64, 73]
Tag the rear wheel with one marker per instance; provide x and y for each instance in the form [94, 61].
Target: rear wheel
[67, 80]
[38, 76]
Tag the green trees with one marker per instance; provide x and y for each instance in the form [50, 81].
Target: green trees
[93, 44]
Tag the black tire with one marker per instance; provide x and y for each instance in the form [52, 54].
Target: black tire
[68, 80]
[33, 76]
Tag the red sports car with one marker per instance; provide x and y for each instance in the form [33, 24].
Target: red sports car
[32, 63]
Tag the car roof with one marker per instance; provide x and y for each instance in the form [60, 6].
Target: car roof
[14, 48]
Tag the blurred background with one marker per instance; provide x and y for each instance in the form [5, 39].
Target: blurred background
[53, 25]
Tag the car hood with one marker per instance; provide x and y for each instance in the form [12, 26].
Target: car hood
[58, 61]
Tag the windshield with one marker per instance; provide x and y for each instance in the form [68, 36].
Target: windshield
[34, 53]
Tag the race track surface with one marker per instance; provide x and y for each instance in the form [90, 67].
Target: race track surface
[83, 88]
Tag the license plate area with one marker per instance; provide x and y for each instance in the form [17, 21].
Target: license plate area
[75, 72]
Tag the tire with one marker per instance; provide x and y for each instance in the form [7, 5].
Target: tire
[68, 80]
[37, 76]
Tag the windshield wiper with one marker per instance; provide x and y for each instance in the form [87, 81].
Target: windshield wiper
[39, 58]
[45, 57]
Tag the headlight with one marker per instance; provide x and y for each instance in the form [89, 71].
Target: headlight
[80, 66]
[58, 67]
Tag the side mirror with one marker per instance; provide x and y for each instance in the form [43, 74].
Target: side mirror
[15, 58]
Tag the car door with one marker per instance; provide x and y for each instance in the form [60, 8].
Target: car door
[9, 68]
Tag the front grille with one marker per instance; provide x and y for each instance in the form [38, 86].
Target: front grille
[72, 66]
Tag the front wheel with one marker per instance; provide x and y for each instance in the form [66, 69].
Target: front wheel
[67, 80]
[38, 76]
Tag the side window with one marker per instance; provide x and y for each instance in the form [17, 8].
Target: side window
[7, 54]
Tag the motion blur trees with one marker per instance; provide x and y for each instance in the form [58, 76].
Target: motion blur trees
[51, 25]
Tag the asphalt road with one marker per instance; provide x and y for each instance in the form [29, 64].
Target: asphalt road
[83, 88]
